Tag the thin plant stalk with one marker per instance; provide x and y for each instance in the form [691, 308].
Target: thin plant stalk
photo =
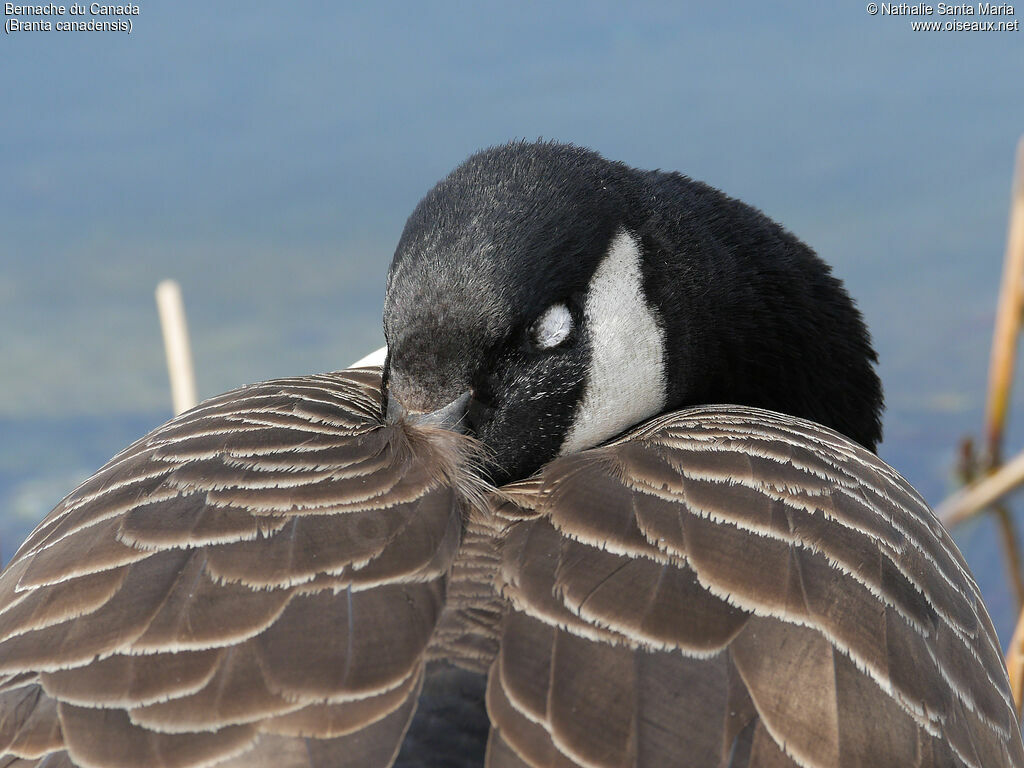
[176, 345]
[1008, 534]
[1015, 664]
[998, 480]
[1008, 321]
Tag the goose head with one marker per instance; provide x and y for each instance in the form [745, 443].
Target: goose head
[545, 299]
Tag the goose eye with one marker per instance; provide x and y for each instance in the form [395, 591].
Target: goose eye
[553, 327]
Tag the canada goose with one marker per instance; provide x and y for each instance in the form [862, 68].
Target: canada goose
[316, 572]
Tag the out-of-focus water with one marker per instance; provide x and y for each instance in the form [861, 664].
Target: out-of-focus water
[267, 157]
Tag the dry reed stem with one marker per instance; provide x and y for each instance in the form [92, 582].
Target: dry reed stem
[176, 346]
[998, 479]
[1008, 320]
[1015, 663]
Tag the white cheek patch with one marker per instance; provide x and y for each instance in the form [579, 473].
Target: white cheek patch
[626, 380]
[553, 327]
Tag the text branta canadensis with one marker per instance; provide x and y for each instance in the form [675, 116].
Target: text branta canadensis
[307, 573]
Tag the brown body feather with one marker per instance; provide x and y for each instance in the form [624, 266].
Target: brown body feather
[262, 581]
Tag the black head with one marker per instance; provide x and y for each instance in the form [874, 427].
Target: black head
[546, 299]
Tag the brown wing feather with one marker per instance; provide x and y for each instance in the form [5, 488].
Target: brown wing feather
[255, 583]
[732, 587]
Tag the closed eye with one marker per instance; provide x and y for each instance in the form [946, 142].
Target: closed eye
[552, 328]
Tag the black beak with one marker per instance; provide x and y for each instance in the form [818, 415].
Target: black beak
[451, 416]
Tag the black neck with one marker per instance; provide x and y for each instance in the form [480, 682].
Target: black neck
[754, 317]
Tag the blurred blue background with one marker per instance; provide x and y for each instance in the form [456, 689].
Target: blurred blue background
[266, 155]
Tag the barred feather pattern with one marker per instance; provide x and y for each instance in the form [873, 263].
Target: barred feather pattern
[261, 582]
[727, 586]
[255, 583]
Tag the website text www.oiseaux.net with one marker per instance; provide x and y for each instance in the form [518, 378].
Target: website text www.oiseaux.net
[947, 17]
